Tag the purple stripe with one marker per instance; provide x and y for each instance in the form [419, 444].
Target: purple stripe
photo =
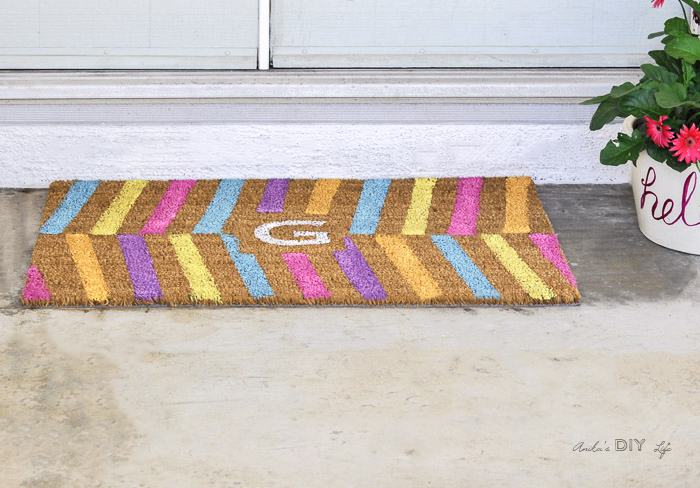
[274, 196]
[466, 211]
[168, 207]
[140, 266]
[358, 271]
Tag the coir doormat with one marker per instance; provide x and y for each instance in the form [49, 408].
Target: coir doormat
[422, 241]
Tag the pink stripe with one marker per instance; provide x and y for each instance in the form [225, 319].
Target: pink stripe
[550, 249]
[305, 275]
[36, 288]
[166, 211]
[466, 211]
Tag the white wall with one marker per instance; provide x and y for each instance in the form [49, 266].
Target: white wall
[34, 155]
[328, 123]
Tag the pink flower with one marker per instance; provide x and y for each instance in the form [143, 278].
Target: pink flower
[658, 132]
[657, 3]
[687, 144]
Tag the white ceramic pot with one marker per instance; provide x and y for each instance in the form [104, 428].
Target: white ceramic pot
[668, 202]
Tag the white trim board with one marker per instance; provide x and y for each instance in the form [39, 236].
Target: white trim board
[281, 112]
[432, 86]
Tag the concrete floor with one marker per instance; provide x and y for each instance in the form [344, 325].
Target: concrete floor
[351, 397]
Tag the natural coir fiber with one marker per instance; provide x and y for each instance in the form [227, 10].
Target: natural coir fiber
[422, 241]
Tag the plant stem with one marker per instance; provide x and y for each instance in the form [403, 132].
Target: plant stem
[684, 13]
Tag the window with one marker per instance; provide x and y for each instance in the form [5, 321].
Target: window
[223, 34]
[461, 33]
[128, 34]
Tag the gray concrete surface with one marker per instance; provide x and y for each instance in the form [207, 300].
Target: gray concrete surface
[351, 397]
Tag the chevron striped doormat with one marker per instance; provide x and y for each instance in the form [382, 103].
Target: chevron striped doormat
[422, 241]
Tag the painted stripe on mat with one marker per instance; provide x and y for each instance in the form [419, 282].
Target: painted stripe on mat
[322, 197]
[417, 216]
[192, 264]
[252, 274]
[551, 250]
[78, 195]
[140, 267]
[168, 207]
[359, 272]
[275, 194]
[465, 267]
[35, 288]
[369, 208]
[411, 269]
[466, 209]
[88, 267]
[305, 275]
[526, 277]
[112, 218]
[517, 214]
[220, 207]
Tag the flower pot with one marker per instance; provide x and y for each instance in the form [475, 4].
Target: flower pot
[668, 202]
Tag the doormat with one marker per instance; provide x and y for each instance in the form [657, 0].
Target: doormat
[422, 241]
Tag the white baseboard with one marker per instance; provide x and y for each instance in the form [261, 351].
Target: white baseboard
[517, 85]
[33, 155]
[332, 123]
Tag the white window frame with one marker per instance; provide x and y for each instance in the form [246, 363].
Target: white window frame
[559, 85]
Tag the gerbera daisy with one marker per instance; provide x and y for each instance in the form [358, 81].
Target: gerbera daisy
[658, 132]
[657, 3]
[686, 147]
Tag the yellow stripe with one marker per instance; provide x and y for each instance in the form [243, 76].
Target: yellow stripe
[517, 215]
[201, 280]
[417, 217]
[527, 278]
[89, 268]
[409, 266]
[112, 218]
[322, 196]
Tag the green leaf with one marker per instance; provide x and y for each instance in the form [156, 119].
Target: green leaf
[673, 163]
[663, 59]
[686, 47]
[626, 149]
[671, 96]
[622, 90]
[595, 100]
[688, 73]
[676, 25]
[657, 153]
[659, 73]
[606, 113]
[654, 35]
[640, 103]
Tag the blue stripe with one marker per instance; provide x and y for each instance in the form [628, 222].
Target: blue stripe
[220, 207]
[77, 196]
[465, 267]
[369, 208]
[252, 274]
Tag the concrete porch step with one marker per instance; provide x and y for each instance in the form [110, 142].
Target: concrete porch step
[346, 397]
